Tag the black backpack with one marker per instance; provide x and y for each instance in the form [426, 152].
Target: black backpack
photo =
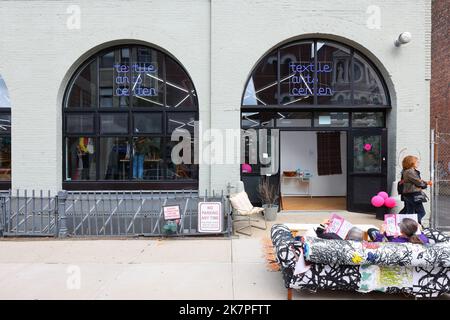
[400, 185]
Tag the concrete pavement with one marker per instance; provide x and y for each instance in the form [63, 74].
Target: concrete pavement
[200, 268]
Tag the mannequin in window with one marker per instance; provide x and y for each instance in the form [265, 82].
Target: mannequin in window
[142, 146]
[85, 148]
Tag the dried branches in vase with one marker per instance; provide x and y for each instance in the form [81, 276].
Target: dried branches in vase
[268, 193]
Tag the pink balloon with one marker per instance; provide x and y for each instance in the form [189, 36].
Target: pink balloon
[383, 194]
[390, 202]
[377, 201]
[246, 168]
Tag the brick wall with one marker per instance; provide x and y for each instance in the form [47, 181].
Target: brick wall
[440, 66]
[440, 83]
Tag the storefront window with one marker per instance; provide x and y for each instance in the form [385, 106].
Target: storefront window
[147, 158]
[258, 119]
[331, 119]
[5, 135]
[368, 119]
[114, 158]
[121, 110]
[294, 119]
[80, 158]
[315, 72]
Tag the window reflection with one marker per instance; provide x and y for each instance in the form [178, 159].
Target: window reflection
[262, 86]
[294, 119]
[180, 91]
[367, 119]
[4, 95]
[83, 93]
[367, 154]
[180, 120]
[5, 123]
[184, 170]
[369, 89]
[333, 74]
[5, 158]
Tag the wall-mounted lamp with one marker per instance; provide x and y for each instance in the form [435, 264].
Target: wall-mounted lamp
[403, 38]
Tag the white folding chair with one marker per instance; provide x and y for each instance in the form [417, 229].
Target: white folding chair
[244, 211]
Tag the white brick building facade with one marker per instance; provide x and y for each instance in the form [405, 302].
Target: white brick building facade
[218, 43]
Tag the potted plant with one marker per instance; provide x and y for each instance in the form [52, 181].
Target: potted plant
[269, 196]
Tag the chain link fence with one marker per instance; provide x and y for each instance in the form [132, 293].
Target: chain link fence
[440, 204]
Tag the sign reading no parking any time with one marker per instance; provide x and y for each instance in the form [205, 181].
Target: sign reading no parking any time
[210, 217]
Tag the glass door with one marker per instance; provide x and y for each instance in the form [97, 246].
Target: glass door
[261, 161]
[367, 170]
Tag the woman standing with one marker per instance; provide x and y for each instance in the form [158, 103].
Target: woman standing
[412, 195]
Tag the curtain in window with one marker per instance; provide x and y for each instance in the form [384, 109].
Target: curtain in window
[328, 153]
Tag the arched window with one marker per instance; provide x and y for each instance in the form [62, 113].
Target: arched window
[5, 136]
[315, 73]
[120, 110]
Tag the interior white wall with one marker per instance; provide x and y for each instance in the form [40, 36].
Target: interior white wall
[299, 150]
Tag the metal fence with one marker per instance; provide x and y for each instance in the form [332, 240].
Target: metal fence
[105, 213]
[29, 214]
[440, 172]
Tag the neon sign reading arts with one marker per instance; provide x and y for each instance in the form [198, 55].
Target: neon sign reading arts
[301, 80]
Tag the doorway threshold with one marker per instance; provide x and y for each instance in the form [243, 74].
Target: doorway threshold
[314, 203]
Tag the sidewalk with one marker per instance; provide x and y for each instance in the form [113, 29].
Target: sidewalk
[206, 268]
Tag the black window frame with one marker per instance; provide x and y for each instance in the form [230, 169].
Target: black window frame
[315, 104]
[131, 109]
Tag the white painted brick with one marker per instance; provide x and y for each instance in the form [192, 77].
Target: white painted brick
[38, 54]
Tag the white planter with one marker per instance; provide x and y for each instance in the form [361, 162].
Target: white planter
[270, 212]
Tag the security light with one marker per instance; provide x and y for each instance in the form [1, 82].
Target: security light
[403, 38]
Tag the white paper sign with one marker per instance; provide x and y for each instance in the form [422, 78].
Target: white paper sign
[324, 120]
[210, 217]
[301, 266]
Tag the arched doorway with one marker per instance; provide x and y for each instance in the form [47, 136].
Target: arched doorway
[329, 103]
[120, 109]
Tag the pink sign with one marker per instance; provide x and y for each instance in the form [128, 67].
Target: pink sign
[339, 226]
[171, 212]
